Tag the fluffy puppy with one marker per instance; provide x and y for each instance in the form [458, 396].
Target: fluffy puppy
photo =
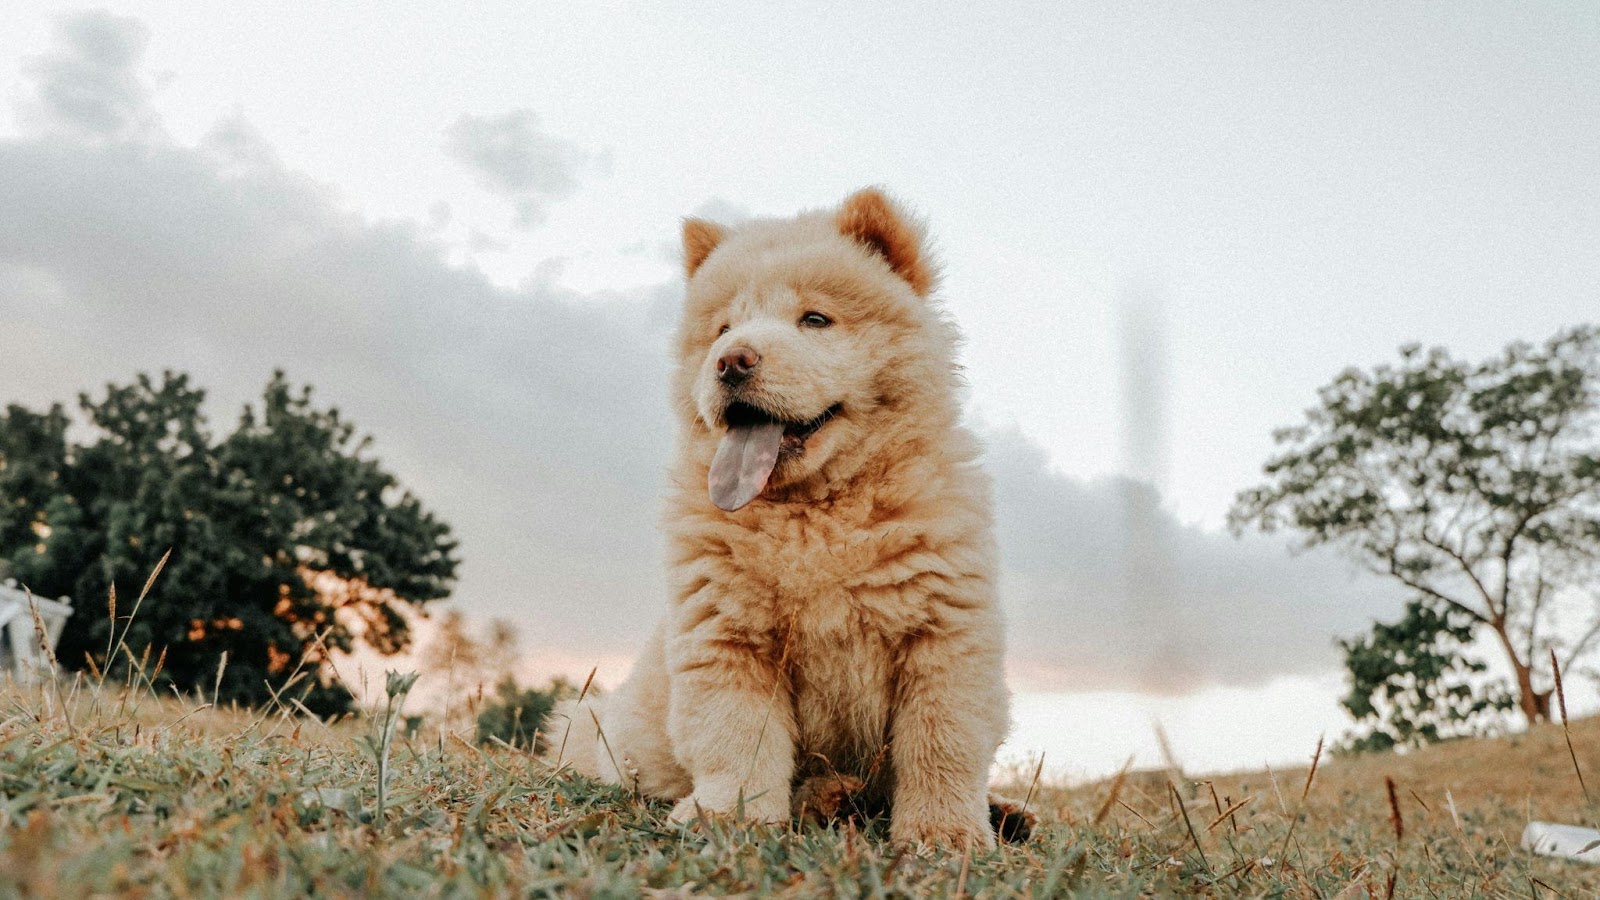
[833, 609]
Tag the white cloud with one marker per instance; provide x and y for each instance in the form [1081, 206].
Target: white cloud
[89, 86]
[512, 156]
[721, 211]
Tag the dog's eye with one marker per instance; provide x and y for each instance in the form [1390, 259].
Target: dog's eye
[815, 320]
[722, 331]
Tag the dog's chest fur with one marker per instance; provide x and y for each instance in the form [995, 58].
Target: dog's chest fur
[842, 687]
[841, 600]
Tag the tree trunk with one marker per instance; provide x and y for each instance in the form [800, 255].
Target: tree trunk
[1535, 705]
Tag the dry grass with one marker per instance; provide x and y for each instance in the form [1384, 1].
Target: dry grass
[1446, 821]
[113, 791]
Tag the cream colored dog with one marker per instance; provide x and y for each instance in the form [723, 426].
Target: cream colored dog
[834, 607]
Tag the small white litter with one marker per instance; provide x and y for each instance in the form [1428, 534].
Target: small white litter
[20, 652]
[1568, 841]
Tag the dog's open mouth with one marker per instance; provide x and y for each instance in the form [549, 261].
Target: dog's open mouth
[750, 449]
[743, 415]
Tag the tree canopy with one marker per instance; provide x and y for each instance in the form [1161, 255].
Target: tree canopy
[287, 539]
[1477, 486]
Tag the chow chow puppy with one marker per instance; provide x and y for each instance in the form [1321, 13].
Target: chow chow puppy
[833, 617]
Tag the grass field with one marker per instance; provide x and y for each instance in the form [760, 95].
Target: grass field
[118, 792]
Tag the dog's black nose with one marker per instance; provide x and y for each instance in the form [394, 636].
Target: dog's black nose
[737, 364]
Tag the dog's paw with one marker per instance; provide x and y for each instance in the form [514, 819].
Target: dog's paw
[955, 833]
[1011, 821]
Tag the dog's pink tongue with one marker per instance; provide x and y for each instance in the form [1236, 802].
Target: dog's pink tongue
[743, 463]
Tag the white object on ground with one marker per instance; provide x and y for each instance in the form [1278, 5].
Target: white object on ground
[1569, 841]
[20, 653]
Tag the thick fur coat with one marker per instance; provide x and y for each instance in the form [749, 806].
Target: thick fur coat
[841, 619]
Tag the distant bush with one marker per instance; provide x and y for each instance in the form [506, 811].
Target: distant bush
[516, 714]
[1412, 683]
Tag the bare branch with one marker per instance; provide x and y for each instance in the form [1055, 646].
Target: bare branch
[1466, 567]
[1582, 644]
[1541, 592]
[1452, 602]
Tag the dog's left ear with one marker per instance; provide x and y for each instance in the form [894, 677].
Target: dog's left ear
[873, 220]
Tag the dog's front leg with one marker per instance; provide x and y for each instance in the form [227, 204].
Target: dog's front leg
[950, 716]
[732, 725]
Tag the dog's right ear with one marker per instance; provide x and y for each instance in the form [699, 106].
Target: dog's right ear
[699, 239]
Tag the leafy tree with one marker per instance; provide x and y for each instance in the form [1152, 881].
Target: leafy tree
[1412, 683]
[516, 715]
[32, 456]
[287, 539]
[1476, 486]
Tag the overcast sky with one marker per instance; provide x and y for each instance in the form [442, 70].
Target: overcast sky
[1162, 231]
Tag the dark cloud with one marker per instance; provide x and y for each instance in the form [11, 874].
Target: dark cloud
[238, 147]
[535, 419]
[90, 85]
[1105, 589]
[1143, 407]
[511, 156]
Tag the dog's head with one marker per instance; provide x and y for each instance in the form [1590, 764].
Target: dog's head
[805, 343]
